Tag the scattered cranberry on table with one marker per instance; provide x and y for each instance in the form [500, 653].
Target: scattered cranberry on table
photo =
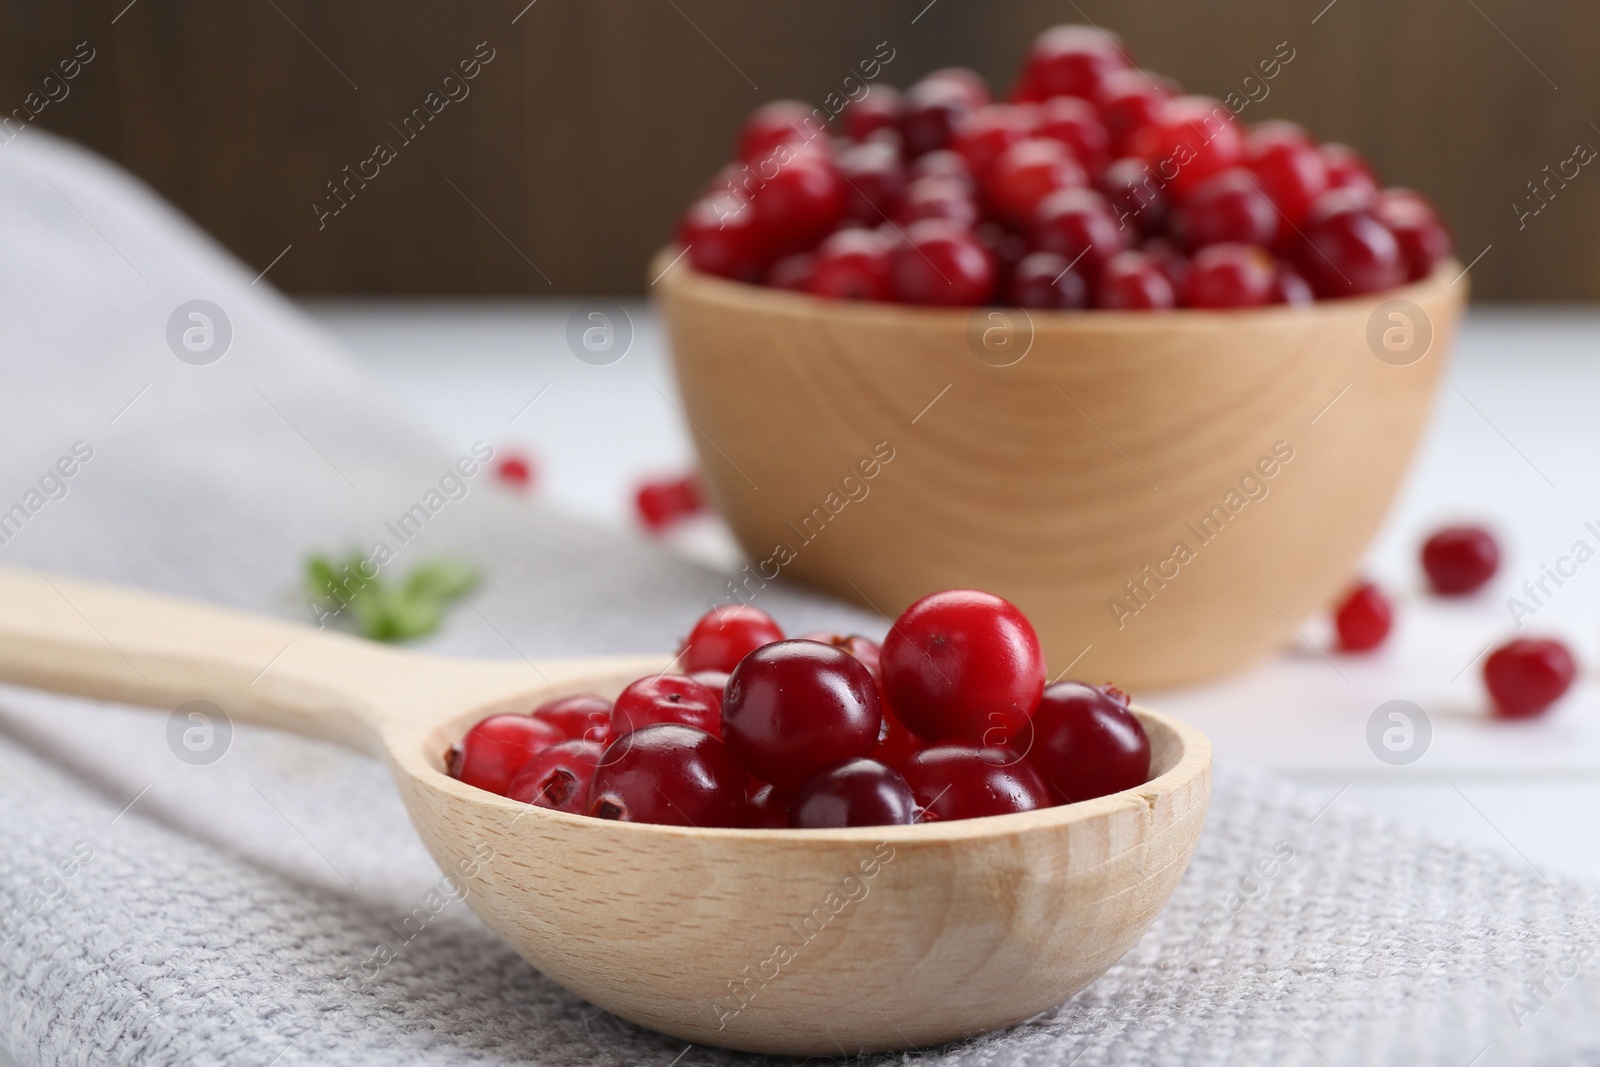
[949, 719]
[516, 470]
[661, 503]
[1524, 677]
[1363, 618]
[1460, 559]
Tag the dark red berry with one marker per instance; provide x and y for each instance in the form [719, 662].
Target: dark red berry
[1288, 287]
[1173, 263]
[662, 503]
[1526, 676]
[725, 635]
[943, 164]
[584, 717]
[1079, 224]
[1460, 559]
[768, 808]
[1290, 171]
[896, 744]
[778, 123]
[1075, 124]
[1192, 138]
[936, 197]
[666, 698]
[795, 708]
[1129, 100]
[558, 777]
[515, 470]
[1047, 280]
[862, 648]
[1029, 171]
[669, 774]
[963, 665]
[497, 748]
[1087, 743]
[720, 234]
[1070, 61]
[961, 782]
[797, 205]
[1133, 281]
[1348, 253]
[985, 134]
[1424, 241]
[1137, 197]
[1231, 276]
[792, 272]
[716, 681]
[964, 80]
[874, 179]
[941, 262]
[1347, 170]
[852, 265]
[880, 109]
[862, 792]
[933, 111]
[1363, 618]
[1227, 207]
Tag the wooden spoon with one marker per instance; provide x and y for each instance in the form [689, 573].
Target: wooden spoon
[813, 942]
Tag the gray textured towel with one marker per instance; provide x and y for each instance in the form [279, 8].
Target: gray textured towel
[209, 921]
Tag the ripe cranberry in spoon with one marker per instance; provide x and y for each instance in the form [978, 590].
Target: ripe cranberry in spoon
[497, 748]
[862, 792]
[670, 774]
[725, 635]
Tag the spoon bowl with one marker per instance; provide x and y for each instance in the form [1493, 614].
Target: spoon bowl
[808, 942]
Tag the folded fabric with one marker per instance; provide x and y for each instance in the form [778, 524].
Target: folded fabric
[153, 911]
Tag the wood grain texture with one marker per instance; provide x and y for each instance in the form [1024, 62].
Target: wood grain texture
[598, 119]
[1065, 481]
[891, 937]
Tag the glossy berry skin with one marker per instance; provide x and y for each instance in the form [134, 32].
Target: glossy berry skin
[1079, 225]
[1226, 208]
[966, 82]
[1526, 676]
[659, 504]
[1137, 197]
[496, 749]
[716, 681]
[1460, 559]
[1347, 253]
[852, 265]
[1069, 61]
[1347, 170]
[795, 708]
[936, 197]
[720, 234]
[669, 774]
[1029, 171]
[558, 777]
[663, 698]
[1087, 743]
[934, 109]
[880, 109]
[963, 665]
[1046, 280]
[1363, 618]
[1129, 100]
[1192, 138]
[985, 134]
[1231, 276]
[1075, 124]
[584, 717]
[725, 635]
[777, 123]
[1289, 287]
[874, 179]
[942, 263]
[896, 743]
[943, 164]
[1133, 281]
[795, 207]
[862, 792]
[1424, 241]
[1291, 173]
[862, 648]
[767, 809]
[963, 782]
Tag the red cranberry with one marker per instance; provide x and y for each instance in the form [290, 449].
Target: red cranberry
[937, 197]
[1288, 287]
[666, 698]
[941, 262]
[1526, 676]
[1129, 100]
[771, 125]
[1349, 253]
[1173, 263]
[721, 237]
[1047, 280]
[716, 681]
[880, 109]
[515, 470]
[943, 164]
[896, 744]
[1137, 196]
[1363, 618]
[965, 81]
[584, 717]
[1227, 207]
[963, 665]
[1133, 281]
[795, 708]
[1424, 241]
[933, 110]
[1192, 138]
[1075, 124]
[1070, 61]
[874, 180]
[959, 782]
[725, 635]
[1079, 224]
[862, 792]
[558, 777]
[1004, 244]
[1347, 170]
[796, 206]
[669, 774]
[1291, 172]
[1460, 559]
[862, 648]
[768, 808]
[1231, 276]
[1029, 171]
[662, 503]
[986, 133]
[1087, 743]
[497, 748]
[852, 265]
[791, 272]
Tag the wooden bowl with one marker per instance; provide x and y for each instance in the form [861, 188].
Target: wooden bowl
[1106, 472]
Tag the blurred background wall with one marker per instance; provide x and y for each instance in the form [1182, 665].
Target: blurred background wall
[593, 121]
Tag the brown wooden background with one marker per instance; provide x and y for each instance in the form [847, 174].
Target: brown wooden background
[597, 119]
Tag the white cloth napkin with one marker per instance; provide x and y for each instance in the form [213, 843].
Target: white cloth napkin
[155, 912]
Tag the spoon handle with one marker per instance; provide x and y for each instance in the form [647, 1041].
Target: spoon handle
[90, 639]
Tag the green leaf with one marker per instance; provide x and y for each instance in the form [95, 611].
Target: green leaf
[383, 610]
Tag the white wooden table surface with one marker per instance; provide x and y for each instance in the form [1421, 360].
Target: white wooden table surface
[1515, 442]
